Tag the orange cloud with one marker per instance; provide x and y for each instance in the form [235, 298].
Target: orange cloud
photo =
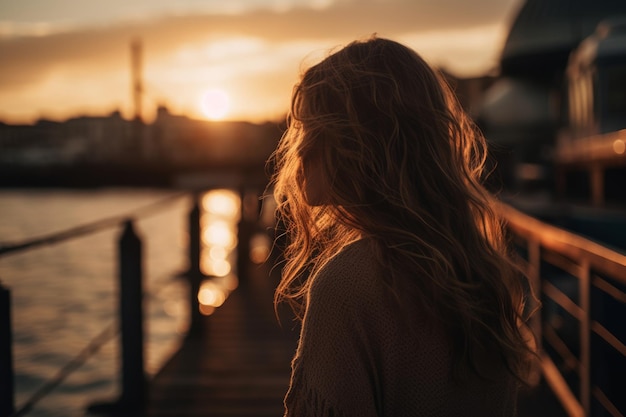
[32, 64]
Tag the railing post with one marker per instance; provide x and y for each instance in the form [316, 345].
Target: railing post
[194, 274]
[133, 379]
[536, 325]
[131, 316]
[534, 275]
[585, 336]
[249, 209]
[7, 405]
[131, 319]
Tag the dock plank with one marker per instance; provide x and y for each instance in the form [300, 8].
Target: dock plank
[238, 367]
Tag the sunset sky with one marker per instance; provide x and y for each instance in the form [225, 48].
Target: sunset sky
[235, 59]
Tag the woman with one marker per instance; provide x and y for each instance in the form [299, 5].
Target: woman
[396, 263]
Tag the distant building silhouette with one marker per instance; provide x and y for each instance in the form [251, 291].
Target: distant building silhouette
[526, 107]
[111, 147]
[94, 139]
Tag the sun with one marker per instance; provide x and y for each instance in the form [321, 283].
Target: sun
[215, 104]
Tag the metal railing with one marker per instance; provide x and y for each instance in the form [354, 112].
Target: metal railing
[581, 286]
[133, 379]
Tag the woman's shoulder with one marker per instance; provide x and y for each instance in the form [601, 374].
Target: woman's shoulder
[355, 269]
[354, 253]
[357, 257]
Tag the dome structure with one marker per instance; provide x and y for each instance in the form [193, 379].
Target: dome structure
[544, 32]
[520, 113]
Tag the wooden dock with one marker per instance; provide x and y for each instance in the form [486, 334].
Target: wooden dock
[239, 365]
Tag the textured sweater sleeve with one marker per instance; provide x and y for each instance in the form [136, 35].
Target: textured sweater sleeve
[334, 372]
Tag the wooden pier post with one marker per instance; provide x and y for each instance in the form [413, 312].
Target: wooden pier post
[194, 274]
[131, 320]
[244, 232]
[7, 404]
[132, 400]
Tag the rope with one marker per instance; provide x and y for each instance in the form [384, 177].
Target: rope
[112, 329]
[90, 228]
[93, 347]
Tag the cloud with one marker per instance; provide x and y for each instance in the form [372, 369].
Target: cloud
[31, 60]
[344, 20]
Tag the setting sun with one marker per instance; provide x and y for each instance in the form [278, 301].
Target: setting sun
[215, 104]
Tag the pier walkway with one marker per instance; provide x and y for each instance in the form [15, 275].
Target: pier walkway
[237, 366]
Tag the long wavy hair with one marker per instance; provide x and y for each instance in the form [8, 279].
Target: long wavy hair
[404, 168]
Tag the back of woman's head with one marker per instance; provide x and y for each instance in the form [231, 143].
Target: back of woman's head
[401, 164]
[384, 130]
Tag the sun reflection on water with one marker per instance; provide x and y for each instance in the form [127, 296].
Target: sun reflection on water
[211, 294]
[222, 212]
[219, 233]
[222, 203]
[214, 292]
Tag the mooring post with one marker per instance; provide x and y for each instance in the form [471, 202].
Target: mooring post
[7, 404]
[131, 320]
[194, 273]
[132, 400]
[243, 234]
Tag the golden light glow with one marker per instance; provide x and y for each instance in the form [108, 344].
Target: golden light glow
[219, 233]
[206, 309]
[216, 267]
[213, 293]
[224, 203]
[260, 247]
[222, 210]
[619, 147]
[218, 252]
[215, 104]
[230, 282]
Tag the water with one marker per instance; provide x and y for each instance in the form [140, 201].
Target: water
[65, 294]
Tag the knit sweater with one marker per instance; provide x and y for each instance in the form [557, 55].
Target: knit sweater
[358, 357]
